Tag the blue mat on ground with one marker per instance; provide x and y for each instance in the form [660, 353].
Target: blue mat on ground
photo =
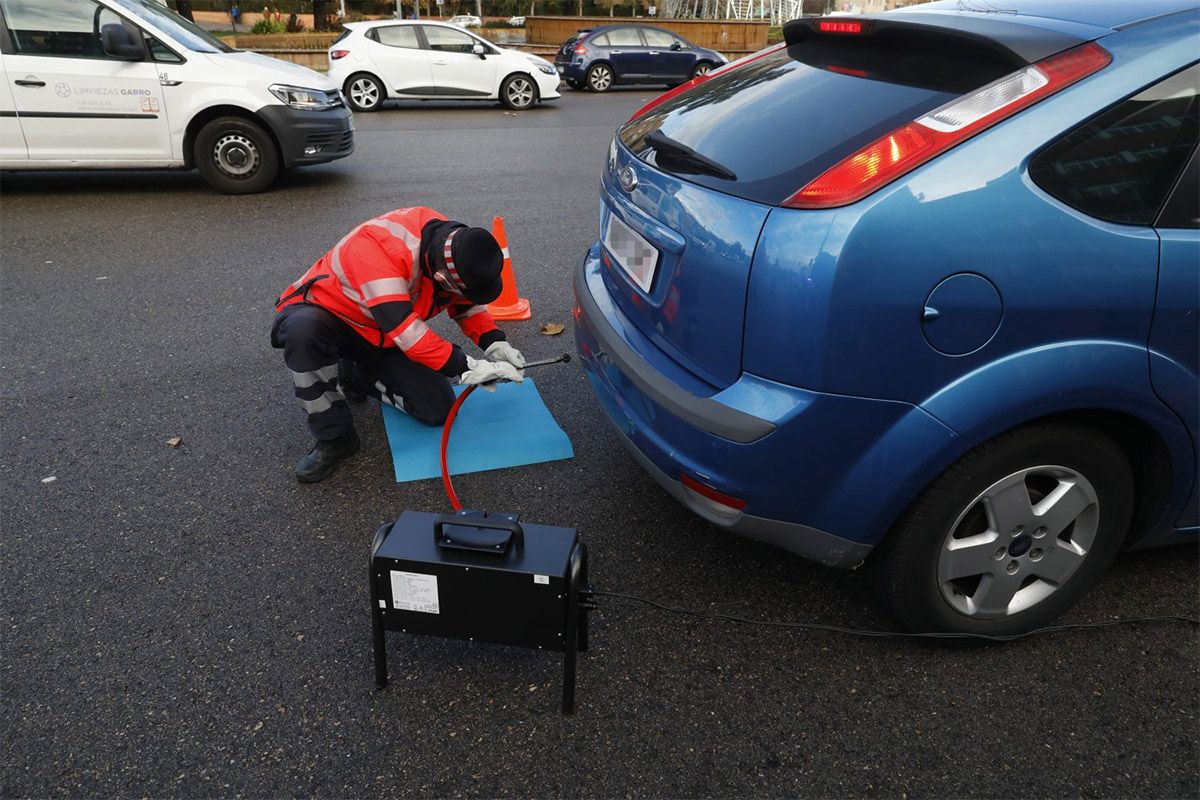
[506, 428]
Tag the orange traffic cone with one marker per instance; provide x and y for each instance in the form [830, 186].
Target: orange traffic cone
[509, 305]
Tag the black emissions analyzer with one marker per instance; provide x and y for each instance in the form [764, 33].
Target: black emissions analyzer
[481, 577]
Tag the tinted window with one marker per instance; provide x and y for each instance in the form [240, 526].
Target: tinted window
[68, 28]
[624, 37]
[448, 41]
[657, 38]
[1121, 165]
[779, 121]
[398, 36]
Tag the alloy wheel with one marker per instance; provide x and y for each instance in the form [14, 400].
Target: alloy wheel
[520, 92]
[1018, 542]
[364, 92]
[600, 78]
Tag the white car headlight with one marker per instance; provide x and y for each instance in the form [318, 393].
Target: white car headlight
[307, 99]
[543, 65]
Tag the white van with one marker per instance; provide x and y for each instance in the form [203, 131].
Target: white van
[128, 84]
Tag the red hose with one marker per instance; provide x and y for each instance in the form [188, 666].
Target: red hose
[447, 484]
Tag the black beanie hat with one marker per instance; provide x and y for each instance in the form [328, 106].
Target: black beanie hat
[474, 263]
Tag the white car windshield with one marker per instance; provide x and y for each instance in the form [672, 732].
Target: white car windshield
[188, 34]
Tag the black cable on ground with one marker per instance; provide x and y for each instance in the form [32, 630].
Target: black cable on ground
[818, 626]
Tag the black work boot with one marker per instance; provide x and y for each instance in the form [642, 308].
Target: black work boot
[323, 459]
[350, 380]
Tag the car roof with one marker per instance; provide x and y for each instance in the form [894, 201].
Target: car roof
[378, 23]
[1057, 14]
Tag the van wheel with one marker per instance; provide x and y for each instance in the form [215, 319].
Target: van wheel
[365, 92]
[518, 92]
[1011, 535]
[599, 77]
[236, 156]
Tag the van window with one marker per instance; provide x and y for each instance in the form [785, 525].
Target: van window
[188, 34]
[1120, 165]
[398, 36]
[65, 28]
[161, 53]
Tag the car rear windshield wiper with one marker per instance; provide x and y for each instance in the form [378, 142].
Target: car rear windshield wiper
[680, 154]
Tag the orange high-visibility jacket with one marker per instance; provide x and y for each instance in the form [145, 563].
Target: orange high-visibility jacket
[373, 280]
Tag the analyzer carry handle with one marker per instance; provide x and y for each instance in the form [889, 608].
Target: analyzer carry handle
[516, 534]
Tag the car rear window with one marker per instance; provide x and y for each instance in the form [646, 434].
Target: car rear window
[778, 122]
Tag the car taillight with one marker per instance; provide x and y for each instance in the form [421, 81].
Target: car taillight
[580, 50]
[683, 87]
[336, 54]
[903, 150]
[720, 503]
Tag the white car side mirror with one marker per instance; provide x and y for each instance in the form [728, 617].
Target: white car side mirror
[479, 50]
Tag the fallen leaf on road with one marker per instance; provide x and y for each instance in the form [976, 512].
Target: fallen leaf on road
[175, 441]
[552, 329]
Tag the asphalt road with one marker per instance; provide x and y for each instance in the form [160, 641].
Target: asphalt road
[192, 622]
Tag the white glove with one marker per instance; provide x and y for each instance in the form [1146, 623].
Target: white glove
[481, 372]
[503, 351]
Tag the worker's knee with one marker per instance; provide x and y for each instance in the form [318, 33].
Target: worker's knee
[433, 413]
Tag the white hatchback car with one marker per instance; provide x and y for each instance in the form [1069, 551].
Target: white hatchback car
[466, 21]
[420, 60]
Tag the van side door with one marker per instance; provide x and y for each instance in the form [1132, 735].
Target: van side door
[74, 102]
[12, 141]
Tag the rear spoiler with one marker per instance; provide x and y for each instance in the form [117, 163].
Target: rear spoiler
[1016, 42]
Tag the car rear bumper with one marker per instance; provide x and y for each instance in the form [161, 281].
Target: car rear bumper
[310, 137]
[762, 442]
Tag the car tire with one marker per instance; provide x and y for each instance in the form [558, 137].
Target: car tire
[702, 68]
[1010, 536]
[365, 92]
[574, 84]
[519, 92]
[236, 155]
[599, 78]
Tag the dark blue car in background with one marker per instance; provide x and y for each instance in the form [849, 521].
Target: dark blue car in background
[596, 59]
[919, 289]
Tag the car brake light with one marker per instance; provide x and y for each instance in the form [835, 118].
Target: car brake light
[336, 54]
[580, 50]
[903, 150]
[683, 87]
[718, 502]
[839, 26]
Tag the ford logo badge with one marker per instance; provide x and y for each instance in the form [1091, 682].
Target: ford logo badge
[628, 178]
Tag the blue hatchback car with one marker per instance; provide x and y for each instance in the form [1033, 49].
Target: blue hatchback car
[599, 58]
[919, 290]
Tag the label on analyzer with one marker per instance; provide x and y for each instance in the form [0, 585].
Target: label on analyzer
[412, 591]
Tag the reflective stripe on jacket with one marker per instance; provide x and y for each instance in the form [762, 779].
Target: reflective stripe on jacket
[373, 280]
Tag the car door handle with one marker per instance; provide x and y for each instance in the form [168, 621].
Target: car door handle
[617, 52]
[29, 82]
[653, 52]
[440, 63]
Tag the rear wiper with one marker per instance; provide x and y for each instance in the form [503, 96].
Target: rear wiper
[679, 153]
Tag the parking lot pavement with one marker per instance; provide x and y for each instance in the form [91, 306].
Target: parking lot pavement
[190, 621]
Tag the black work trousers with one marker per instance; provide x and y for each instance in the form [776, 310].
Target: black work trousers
[314, 340]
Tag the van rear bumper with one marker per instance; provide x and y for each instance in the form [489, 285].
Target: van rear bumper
[310, 137]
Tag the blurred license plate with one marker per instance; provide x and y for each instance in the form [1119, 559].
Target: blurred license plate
[634, 254]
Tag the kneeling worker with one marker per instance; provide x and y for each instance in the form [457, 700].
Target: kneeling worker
[362, 309]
